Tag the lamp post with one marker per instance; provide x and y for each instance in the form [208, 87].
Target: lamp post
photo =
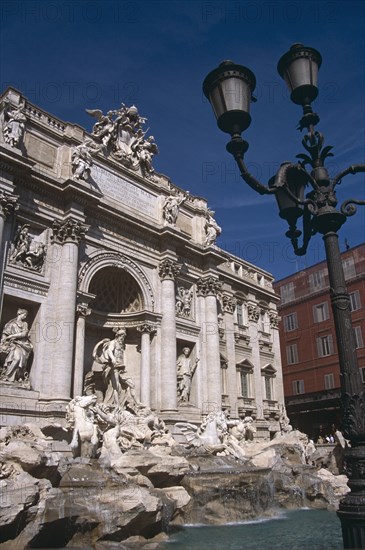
[229, 89]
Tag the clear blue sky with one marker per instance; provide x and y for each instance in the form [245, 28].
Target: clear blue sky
[69, 55]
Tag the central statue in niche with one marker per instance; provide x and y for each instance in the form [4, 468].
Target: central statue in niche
[120, 389]
[185, 371]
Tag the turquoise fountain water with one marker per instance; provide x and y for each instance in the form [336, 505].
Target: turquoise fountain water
[291, 530]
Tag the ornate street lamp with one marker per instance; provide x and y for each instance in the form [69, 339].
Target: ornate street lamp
[229, 89]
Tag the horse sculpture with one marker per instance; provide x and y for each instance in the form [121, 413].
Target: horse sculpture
[211, 434]
[81, 418]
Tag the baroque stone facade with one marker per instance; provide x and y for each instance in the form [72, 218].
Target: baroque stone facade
[93, 243]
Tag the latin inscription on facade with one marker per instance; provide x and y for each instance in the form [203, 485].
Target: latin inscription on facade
[125, 192]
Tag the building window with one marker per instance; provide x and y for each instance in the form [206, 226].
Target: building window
[358, 337]
[263, 324]
[316, 280]
[320, 312]
[325, 345]
[239, 312]
[348, 265]
[245, 383]
[245, 371]
[224, 378]
[269, 373]
[355, 302]
[329, 381]
[268, 387]
[292, 354]
[290, 322]
[298, 387]
[287, 293]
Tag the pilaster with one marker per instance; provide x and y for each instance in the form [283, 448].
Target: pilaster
[146, 330]
[82, 311]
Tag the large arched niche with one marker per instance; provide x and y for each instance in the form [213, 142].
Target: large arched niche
[116, 291]
[118, 283]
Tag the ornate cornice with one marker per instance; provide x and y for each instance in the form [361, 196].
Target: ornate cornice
[209, 286]
[8, 204]
[168, 269]
[69, 231]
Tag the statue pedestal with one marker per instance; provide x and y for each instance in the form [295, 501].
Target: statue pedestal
[19, 405]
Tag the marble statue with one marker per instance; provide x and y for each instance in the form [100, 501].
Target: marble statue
[284, 421]
[183, 302]
[148, 148]
[212, 229]
[21, 244]
[121, 134]
[16, 344]
[243, 430]
[185, 371]
[104, 127]
[26, 251]
[81, 159]
[14, 125]
[81, 418]
[35, 258]
[171, 207]
[120, 389]
[211, 434]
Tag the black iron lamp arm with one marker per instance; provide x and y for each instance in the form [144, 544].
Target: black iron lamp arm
[353, 169]
[237, 147]
[251, 180]
[348, 207]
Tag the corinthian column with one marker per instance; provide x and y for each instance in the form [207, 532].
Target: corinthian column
[68, 234]
[8, 204]
[82, 311]
[146, 329]
[168, 270]
[208, 287]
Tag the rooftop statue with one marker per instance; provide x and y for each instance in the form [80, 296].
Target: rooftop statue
[171, 206]
[121, 134]
[13, 124]
[212, 229]
[81, 159]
